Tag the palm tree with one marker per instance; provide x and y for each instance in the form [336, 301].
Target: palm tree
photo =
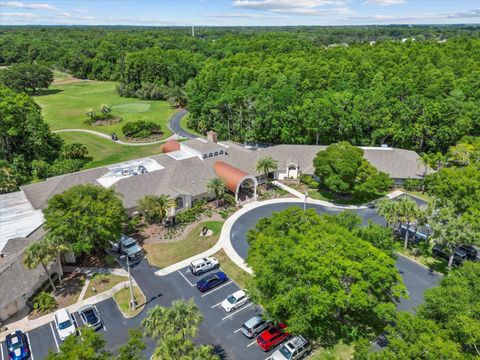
[56, 247]
[39, 253]
[181, 319]
[408, 210]
[266, 165]
[216, 186]
[388, 209]
[155, 207]
[428, 161]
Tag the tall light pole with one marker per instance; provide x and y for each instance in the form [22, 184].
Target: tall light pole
[305, 201]
[132, 300]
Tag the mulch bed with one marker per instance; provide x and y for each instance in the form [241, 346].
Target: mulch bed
[151, 138]
[96, 259]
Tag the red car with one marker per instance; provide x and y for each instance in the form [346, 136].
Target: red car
[271, 337]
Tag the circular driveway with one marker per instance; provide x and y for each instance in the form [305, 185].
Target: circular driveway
[238, 233]
[416, 278]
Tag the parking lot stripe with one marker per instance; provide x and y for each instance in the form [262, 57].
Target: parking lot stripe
[218, 288]
[54, 337]
[237, 330]
[253, 342]
[30, 346]
[1, 350]
[189, 283]
[243, 308]
[216, 304]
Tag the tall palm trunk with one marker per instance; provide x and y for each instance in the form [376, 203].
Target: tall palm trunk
[450, 261]
[60, 272]
[405, 244]
[49, 277]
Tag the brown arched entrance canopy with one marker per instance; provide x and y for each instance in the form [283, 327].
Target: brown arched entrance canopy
[236, 180]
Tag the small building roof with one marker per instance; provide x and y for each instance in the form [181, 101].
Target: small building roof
[232, 176]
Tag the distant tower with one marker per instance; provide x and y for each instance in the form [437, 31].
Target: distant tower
[193, 30]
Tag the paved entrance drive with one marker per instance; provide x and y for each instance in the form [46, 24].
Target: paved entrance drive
[416, 278]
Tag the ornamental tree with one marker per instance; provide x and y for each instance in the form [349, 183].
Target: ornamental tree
[86, 217]
[319, 278]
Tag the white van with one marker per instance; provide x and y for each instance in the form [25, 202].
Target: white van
[199, 267]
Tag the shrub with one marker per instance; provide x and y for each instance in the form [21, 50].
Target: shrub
[413, 184]
[65, 166]
[140, 129]
[110, 260]
[309, 181]
[192, 214]
[44, 303]
[74, 151]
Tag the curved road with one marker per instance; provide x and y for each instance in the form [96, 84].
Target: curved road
[417, 278]
[174, 125]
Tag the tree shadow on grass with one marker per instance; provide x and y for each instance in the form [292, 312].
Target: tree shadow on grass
[44, 92]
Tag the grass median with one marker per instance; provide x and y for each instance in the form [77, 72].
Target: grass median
[165, 254]
[233, 271]
[102, 282]
[122, 298]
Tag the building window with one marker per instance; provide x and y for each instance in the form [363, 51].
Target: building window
[216, 153]
[204, 156]
[210, 155]
[221, 152]
[179, 203]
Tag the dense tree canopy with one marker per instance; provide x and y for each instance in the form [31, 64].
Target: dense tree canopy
[319, 278]
[342, 169]
[27, 77]
[86, 217]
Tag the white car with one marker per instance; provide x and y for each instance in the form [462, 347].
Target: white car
[64, 324]
[235, 300]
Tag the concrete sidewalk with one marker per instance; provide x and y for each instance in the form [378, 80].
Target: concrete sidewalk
[25, 324]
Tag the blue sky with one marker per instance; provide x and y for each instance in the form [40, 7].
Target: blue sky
[239, 12]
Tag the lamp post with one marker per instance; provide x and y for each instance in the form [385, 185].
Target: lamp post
[305, 201]
[132, 299]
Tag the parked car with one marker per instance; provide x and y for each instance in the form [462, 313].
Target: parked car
[64, 324]
[458, 258]
[472, 252]
[295, 348]
[128, 246]
[254, 326]
[211, 281]
[90, 317]
[17, 346]
[272, 336]
[199, 267]
[413, 236]
[234, 301]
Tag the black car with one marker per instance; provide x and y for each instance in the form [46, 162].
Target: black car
[90, 317]
[472, 253]
[458, 258]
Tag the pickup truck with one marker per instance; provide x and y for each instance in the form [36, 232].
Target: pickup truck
[129, 247]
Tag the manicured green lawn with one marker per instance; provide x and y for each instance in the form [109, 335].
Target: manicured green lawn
[234, 272]
[64, 106]
[104, 152]
[331, 197]
[122, 298]
[339, 352]
[423, 256]
[102, 283]
[166, 254]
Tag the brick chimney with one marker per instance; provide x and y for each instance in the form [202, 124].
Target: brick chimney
[212, 136]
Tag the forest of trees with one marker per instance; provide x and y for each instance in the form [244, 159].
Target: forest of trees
[284, 85]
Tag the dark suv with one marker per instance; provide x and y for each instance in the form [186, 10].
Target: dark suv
[472, 253]
[458, 258]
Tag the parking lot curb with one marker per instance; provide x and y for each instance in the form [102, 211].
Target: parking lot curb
[418, 263]
[120, 309]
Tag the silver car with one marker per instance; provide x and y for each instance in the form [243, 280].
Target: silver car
[90, 317]
[254, 326]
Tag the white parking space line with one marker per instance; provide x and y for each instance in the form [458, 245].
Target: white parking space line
[237, 330]
[216, 304]
[54, 337]
[243, 308]
[1, 350]
[253, 342]
[30, 346]
[189, 283]
[218, 288]
[104, 327]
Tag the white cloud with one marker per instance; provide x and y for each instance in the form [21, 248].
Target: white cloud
[81, 11]
[247, 16]
[29, 6]
[418, 18]
[297, 7]
[17, 15]
[385, 2]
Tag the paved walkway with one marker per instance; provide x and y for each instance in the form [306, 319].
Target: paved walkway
[25, 324]
[105, 136]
